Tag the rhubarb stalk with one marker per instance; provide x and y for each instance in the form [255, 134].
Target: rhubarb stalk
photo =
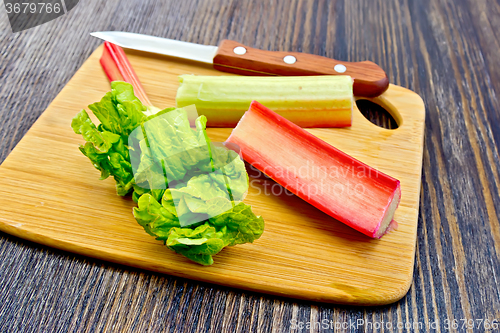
[332, 181]
[117, 67]
[308, 101]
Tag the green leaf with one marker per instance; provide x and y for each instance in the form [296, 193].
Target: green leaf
[119, 111]
[102, 141]
[243, 226]
[203, 187]
[198, 242]
[169, 141]
[106, 152]
[153, 217]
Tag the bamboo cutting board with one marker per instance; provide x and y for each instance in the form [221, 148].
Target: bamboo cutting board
[51, 195]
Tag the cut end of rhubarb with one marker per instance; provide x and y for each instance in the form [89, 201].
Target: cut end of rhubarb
[387, 224]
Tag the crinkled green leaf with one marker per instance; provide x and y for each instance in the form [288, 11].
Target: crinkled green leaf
[243, 226]
[103, 141]
[237, 225]
[119, 111]
[106, 151]
[203, 187]
[198, 244]
[153, 217]
[171, 143]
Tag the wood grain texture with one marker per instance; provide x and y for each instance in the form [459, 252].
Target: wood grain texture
[303, 252]
[445, 51]
[369, 79]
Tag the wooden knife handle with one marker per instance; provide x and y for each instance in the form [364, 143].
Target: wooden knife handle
[369, 79]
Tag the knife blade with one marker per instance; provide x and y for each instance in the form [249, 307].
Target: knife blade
[369, 79]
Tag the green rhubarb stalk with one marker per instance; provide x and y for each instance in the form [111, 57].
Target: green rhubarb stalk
[307, 101]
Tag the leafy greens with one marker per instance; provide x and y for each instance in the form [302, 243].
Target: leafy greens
[189, 190]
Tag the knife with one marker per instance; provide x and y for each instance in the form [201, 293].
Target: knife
[369, 79]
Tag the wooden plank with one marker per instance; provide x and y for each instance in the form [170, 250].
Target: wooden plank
[52, 195]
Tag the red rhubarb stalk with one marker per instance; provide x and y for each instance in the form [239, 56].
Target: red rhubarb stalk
[332, 181]
[115, 63]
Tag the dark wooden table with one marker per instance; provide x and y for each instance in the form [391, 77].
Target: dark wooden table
[446, 51]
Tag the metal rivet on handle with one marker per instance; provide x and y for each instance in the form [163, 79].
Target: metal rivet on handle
[339, 68]
[239, 50]
[290, 59]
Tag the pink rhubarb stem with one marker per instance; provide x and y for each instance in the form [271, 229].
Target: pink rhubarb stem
[327, 178]
[115, 63]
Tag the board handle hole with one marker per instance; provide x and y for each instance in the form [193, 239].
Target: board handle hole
[377, 114]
